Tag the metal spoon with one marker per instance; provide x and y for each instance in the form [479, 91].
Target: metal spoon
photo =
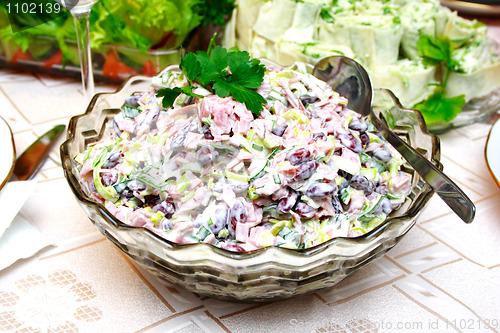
[351, 80]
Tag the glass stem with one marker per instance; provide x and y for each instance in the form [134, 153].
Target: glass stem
[83, 39]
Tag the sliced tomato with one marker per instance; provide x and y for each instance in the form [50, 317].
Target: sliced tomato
[54, 59]
[20, 55]
[149, 68]
[114, 68]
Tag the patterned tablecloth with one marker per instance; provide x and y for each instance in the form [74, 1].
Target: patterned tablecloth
[443, 276]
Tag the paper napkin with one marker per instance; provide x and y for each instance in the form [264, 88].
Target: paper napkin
[18, 238]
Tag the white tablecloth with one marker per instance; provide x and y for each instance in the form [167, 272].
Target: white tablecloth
[443, 277]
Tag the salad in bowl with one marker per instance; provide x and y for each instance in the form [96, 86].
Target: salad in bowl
[206, 169]
[223, 170]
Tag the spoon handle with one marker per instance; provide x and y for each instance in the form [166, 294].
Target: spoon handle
[451, 194]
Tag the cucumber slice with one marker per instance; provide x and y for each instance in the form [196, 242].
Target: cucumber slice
[257, 166]
[269, 143]
[191, 166]
[251, 193]
[279, 97]
[188, 195]
[277, 179]
[237, 177]
[202, 233]
[239, 141]
[270, 209]
[368, 210]
[370, 173]
[394, 197]
[346, 165]
[277, 227]
[257, 147]
[309, 201]
[364, 157]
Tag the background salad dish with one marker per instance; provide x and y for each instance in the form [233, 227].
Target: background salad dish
[432, 59]
[127, 37]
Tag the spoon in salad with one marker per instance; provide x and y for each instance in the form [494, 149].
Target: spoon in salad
[351, 80]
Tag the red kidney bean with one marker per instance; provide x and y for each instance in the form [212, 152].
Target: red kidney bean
[206, 155]
[304, 210]
[320, 190]
[382, 155]
[298, 156]
[287, 203]
[350, 141]
[221, 217]
[305, 170]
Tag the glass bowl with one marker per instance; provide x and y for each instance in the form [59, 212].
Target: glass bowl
[104, 59]
[266, 274]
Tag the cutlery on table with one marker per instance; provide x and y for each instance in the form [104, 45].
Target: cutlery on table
[30, 161]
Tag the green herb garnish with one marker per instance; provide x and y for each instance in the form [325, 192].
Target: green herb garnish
[225, 72]
[170, 94]
[437, 108]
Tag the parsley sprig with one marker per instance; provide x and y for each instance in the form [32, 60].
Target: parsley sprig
[437, 108]
[224, 72]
